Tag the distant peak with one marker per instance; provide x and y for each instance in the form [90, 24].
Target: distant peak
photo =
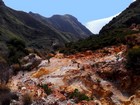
[68, 15]
[56, 15]
[2, 3]
[30, 12]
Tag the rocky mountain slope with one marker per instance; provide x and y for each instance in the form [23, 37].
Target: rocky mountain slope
[18, 24]
[65, 23]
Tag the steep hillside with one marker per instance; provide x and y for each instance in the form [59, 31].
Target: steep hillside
[129, 18]
[20, 27]
[65, 23]
[36, 32]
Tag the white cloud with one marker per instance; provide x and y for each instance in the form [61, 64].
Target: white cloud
[96, 25]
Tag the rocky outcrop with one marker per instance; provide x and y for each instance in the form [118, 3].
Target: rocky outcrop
[30, 62]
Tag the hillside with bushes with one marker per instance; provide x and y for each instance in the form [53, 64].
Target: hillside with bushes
[115, 32]
[36, 34]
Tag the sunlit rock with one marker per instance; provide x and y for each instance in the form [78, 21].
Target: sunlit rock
[40, 72]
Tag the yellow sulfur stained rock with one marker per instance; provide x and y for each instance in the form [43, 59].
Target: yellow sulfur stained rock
[71, 88]
[42, 71]
[59, 56]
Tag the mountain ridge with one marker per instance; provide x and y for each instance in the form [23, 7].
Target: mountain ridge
[64, 23]
[28, 21]
[22, 27]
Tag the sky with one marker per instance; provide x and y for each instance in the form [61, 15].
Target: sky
[95, 25]
[91, 13]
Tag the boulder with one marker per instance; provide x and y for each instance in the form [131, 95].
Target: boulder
[30, 62]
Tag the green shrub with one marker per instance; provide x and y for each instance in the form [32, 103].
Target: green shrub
[16, 50]
[133, 60]
[20, 44]
[45, 87]
[78, 96]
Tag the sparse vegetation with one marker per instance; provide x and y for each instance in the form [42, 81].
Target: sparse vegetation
[46, 88]
[16, 49]
[78, 96]
[116, 37]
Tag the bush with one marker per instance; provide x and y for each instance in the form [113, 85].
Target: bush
[133, 60]
[45, 87]
[20, 44]
[16, 50]
[78, 96]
